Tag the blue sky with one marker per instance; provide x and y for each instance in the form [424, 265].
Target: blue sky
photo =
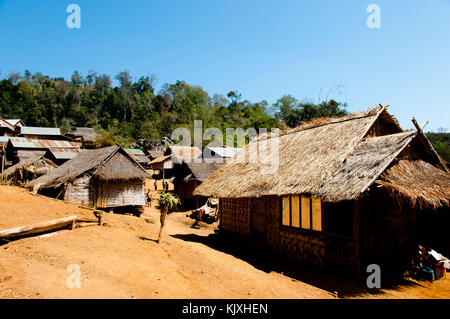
[263, 49]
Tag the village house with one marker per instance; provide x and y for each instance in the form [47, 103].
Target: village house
[6, 128]
[106, 178]
[83, 135]
[219, 154]
[40, 133]
[349, 191]
[20, 148]
[164, 166]
[139, 156]
[188, 176]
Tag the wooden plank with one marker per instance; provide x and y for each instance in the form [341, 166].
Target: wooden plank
[51, 225]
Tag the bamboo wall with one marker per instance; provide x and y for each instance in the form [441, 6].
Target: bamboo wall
[78, 192]
[82, 191]
[261, 216]
[120, 194]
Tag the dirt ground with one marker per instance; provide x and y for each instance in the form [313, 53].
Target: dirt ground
[123, 260]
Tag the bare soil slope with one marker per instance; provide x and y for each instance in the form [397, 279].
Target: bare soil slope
[122, 260]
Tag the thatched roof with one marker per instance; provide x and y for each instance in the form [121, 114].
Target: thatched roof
[201, 171]
[365, 163]
[161, 159]
[105, 164]
[419, 181]
[155, 154]
[335, 159]
[37, 165]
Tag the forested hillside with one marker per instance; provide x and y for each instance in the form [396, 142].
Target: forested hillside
[133, 112]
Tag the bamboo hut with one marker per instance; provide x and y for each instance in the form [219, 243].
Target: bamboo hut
[28, 170]
[348, 191]
[104, 178]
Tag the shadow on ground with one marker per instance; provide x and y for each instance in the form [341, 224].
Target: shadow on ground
[263, 259]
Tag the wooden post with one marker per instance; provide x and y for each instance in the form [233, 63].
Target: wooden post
[3, 160]
[356, 237]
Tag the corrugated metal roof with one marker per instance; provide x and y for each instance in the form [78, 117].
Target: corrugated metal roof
[20, 142]
[13, 121]
[134, 151]
[5, 123]
[226, 152]
[4, 139]
[28, 130]
[63, 153]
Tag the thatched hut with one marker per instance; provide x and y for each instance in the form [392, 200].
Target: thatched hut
[27, 170]
[188, 176]
[350, 191]
[101, 178]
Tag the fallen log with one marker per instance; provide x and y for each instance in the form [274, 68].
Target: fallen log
[51, 225]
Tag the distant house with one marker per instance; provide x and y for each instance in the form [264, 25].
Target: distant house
[106, 178]
[189, 176]
[60, 155]
[219, 153]
[83, 134]
[6, 128]
[16, 122]
[164, 165]
[155, 154]
[139, 156]
[183, 153]
[40, 133]
[348, 191]
[20, 148]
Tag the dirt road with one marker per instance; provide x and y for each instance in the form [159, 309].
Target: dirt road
[122, 260]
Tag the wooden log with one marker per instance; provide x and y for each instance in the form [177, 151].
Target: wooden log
[51, 225]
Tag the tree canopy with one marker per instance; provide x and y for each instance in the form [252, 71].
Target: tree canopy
[132, 113]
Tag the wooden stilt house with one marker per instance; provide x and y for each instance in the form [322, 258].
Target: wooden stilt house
[101, 178]
[348, 191]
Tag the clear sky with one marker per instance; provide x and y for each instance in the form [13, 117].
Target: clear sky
[263, 49]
